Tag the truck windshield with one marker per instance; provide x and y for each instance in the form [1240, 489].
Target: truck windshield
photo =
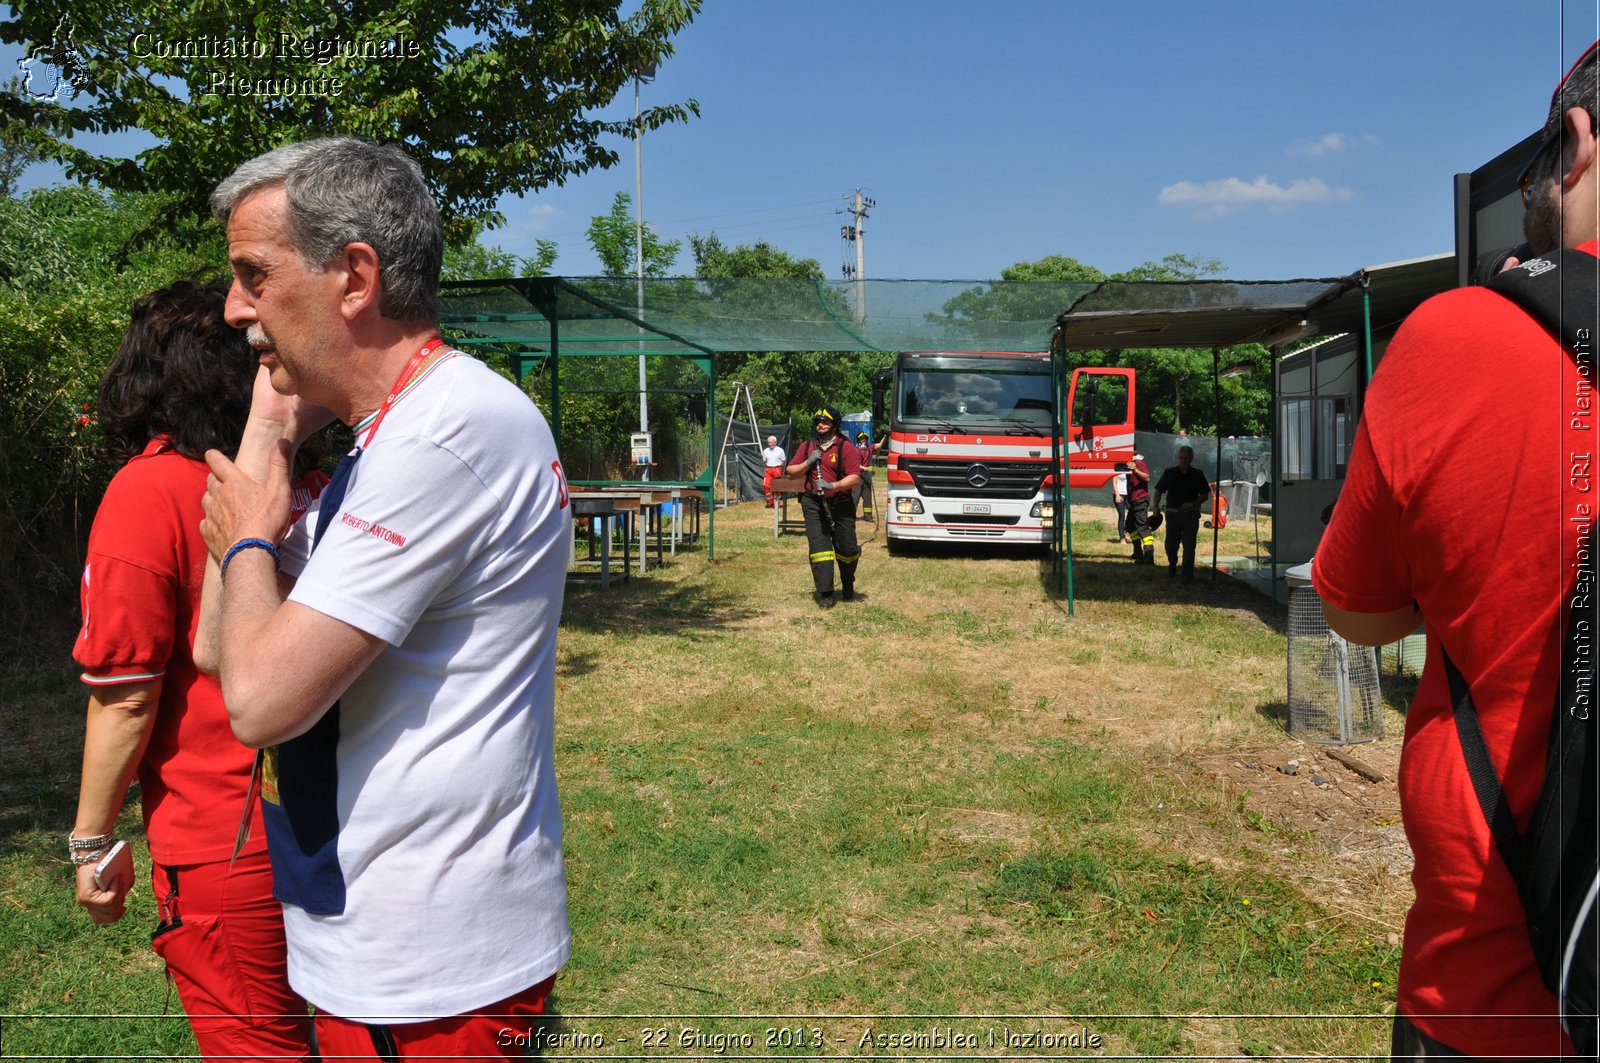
[959, 399]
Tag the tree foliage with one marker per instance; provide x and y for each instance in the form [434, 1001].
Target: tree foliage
[787, 386]
[15, 155]
[715, 260]
[1176, 384]
[470, 258]
[615, 237]
[69, 272]
[489, 97]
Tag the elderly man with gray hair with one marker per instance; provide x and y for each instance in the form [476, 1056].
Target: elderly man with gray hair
[392, 654]
[775, 459]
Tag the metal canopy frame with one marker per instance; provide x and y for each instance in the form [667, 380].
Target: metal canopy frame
[523, 319]
[1119, 315]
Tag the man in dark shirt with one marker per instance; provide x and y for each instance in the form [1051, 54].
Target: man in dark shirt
[1187, 490]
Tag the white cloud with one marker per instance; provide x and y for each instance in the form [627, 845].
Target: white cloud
[530, 222]
[1216, 198]
[1329, 143]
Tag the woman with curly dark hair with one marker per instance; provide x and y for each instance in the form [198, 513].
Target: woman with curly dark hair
[179, 385]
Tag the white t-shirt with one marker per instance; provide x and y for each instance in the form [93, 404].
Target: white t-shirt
[450, 545]
[773, 456]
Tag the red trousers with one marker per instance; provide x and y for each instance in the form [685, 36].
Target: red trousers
[502, 1030]
[221, 936]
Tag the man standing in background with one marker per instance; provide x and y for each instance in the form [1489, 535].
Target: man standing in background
[1186, 490]
[773, 456]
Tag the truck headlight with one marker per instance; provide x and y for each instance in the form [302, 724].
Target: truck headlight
[908, 505]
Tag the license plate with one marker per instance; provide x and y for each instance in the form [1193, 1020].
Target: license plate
[975, 507]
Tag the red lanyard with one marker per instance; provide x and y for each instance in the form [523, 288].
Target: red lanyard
[400, 385]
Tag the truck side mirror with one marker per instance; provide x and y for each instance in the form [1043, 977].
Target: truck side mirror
[1091, 387]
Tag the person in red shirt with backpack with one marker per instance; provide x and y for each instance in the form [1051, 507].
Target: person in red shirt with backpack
[1484, 377]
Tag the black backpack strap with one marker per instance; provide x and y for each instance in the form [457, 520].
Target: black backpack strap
[1480, 769]
[1555, 863]
[1557, 820]
[1562, 291]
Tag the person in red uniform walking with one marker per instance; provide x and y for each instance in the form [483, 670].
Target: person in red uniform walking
[864, 446]
[1138, 522]
[832, 467]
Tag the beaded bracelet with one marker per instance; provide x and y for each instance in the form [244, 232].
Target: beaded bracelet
[97, 841]
[245, 544]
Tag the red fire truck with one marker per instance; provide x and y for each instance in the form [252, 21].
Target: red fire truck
[970, 442]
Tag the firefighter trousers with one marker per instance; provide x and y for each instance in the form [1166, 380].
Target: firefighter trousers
[831, 536]
[1138, 525]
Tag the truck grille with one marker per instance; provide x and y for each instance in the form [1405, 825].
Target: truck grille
[944, 478]
[968, 518]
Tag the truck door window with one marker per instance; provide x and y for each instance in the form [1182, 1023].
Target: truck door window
[1109, 401]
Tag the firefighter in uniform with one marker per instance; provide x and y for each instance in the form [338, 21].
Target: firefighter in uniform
[832, 467]
[864, 489]
[1138, 524]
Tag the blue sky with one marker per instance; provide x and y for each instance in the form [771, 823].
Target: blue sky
[1286, 139]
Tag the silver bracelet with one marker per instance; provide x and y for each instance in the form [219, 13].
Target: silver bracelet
[95, 842]
[82, 857]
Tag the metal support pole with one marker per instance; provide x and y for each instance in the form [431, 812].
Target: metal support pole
[1216, 505]
[1056, 568]
[638, 256]
[1061, 468]
[555, 379]
[856, 233]
[1366, 327]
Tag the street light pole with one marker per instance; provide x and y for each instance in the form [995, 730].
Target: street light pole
[638, 250]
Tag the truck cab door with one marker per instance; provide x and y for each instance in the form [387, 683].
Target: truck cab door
[1100, 412]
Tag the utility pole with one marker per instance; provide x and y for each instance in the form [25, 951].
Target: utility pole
[856, 234]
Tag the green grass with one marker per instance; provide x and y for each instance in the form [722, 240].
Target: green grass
[822, 831]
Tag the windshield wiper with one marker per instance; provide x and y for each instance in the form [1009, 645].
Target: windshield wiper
[1022, 426]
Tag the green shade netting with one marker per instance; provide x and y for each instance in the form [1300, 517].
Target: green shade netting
[604, 315]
